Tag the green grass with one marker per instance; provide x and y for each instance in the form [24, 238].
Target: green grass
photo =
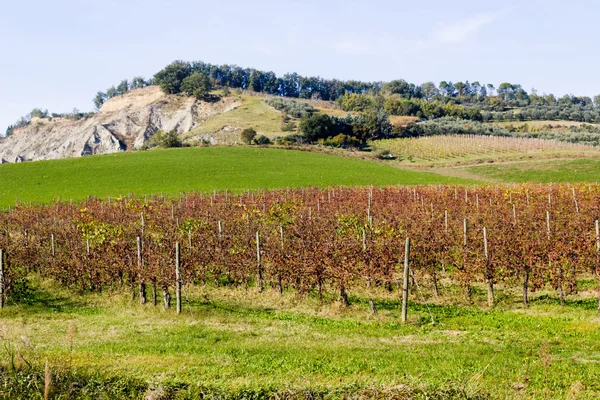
[252, 113]
[239, 341]
[580, 170]
[193, 169]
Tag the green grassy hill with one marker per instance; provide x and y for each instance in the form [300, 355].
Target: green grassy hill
[194, 169]
[253, 112]
[576, 170]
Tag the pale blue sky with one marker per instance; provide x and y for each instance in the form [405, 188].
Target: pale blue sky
[58, 54]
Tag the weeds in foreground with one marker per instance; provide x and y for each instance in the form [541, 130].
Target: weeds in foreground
[242, 344]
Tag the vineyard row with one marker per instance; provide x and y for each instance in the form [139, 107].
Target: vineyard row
[531, 236]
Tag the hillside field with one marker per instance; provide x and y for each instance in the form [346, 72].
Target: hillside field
[194, 169]
[253, 112]
[570, 170]
[456, 150]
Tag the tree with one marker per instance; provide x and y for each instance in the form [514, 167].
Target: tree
[99, 99]
[138, 82]
[166, 139]
[318, 126]
[38, 113]
[400, 87]
[401, 106]
[171, 77]
[247, 135]
[256, 83]
[429, 90]
[460, 87]
[123, 87]
[447, 89]
[262, 140]
[356, 102]
[372, 125]
[111, 92]
[476, 88]
[197, 85]
[76, 114]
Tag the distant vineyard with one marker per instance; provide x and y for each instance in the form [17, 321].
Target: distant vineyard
[446, 147]
[313, 239]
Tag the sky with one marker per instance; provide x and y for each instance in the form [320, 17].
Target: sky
[57, 54]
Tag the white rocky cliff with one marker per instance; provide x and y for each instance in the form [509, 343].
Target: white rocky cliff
[124, 123]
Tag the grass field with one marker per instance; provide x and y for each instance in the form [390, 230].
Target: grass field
[560, 124]
[237, 343]
[252, 113]
[579, 170]
[475, 149]
[193, 169]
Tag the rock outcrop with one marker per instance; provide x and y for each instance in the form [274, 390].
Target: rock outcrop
[124, 123]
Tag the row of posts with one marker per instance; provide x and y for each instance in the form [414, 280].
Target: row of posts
[178, 280]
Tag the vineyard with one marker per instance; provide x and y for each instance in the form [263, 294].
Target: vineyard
[311, 240]
[448, 148]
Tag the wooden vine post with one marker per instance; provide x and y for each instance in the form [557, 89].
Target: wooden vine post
[561, 292]
[2, 279]
[279, 278]
[598, 262]
[178, 276]
[258, 264]
[369, 204]
[488, 269]
[465, 249]
[405, 282]
[142, 286]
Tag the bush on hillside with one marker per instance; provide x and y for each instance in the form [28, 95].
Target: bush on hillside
[292, 140]
[166, 139]
[262, 140]
[247, 135]
[296, 109]
[341, 140]
[196, 85]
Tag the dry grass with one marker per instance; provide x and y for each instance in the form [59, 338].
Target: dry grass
[398, 120]
[474, 149]
[561, 124]
[253, 112]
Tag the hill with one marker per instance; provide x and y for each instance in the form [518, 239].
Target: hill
[124, 123]
[127, 122]
[207, 103]
[194, 169]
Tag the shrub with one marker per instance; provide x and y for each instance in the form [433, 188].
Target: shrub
[166, 139]
[196, 85]
[341, 140]
[262, 140]
[287, 125]
[291, 140]
[356, 102]
[385, 155]
[247, 135]
[296, 109]
[318, 126]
